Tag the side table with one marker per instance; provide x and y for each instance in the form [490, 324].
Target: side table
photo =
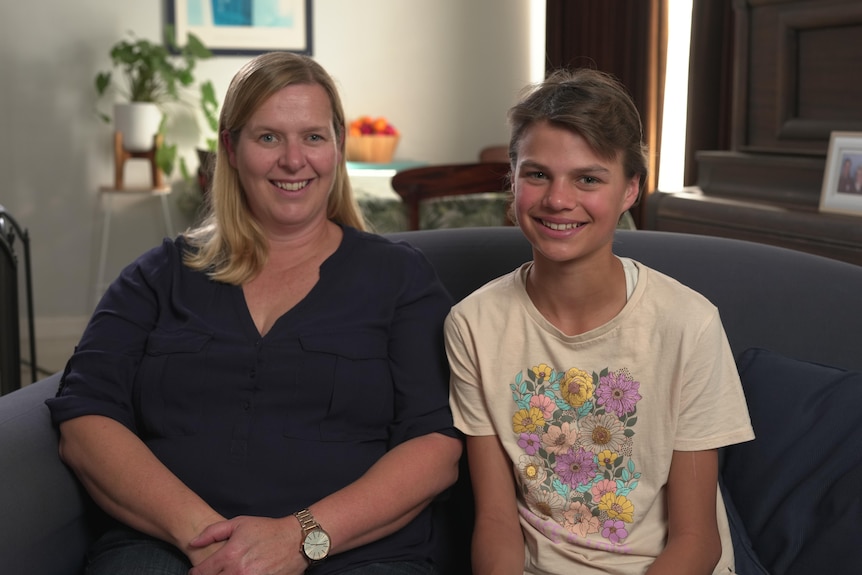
[107, 194]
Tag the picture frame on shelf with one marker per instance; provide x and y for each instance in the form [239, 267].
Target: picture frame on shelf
[244, 28]
[842, 178]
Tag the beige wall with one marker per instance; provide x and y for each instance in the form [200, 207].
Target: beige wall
[444, 72]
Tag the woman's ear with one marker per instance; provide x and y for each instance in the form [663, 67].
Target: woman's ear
[227, 142]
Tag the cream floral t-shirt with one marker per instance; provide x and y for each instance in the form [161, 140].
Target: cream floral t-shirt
[590, 422]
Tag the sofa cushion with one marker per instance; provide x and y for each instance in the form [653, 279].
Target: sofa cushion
[795, 487]
[745, 558]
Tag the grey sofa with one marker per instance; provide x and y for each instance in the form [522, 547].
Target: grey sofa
[794, 492]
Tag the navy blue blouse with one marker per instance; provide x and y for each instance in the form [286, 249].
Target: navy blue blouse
[268, 425]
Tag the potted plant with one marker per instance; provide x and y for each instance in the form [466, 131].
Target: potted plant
[153, 75]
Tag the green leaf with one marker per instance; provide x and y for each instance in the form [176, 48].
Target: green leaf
[561, 488]
[166, 156]
[196, 48]
[103, 80]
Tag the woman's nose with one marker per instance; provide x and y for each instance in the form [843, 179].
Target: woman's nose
[292, 156]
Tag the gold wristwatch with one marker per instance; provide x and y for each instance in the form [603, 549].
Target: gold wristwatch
[315, 542]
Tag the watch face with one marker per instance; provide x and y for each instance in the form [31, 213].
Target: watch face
[316, 545]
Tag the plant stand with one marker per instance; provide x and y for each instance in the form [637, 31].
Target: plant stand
[121, 155]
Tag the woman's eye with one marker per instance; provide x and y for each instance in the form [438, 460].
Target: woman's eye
[267, 138]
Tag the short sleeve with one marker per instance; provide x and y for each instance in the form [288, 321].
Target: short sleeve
[713, 410]
[465, 391]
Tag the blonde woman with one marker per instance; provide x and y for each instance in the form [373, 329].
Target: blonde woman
[268, 391]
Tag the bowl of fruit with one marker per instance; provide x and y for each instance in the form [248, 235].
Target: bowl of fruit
[371, 140]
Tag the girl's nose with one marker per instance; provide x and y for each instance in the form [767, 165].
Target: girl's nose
[560, 196]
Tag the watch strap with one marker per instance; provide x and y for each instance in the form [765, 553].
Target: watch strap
[306, 521]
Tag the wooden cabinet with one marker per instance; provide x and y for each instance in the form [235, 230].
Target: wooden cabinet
[797, 76]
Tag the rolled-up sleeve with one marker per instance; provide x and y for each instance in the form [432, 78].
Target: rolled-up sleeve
[417, 356]
[99, 377]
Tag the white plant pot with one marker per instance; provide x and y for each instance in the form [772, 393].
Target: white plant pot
[139, 123]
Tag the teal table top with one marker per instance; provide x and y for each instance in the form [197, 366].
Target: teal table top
[395, 166]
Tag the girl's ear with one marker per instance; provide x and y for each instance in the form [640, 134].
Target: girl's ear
[632, 192]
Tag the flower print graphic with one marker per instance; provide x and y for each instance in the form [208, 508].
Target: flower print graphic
[545, 404]
[618, 392]
[601, 432]
[617, 507]
[607, 458]
[542, 372]
[576, 467]
[532, 469]
[602, 487]
[577, 387]
[527, 420]
[530, 443]
[546, 504]
[614, 531]
[580, 520]
[559, 438]
[575, 431]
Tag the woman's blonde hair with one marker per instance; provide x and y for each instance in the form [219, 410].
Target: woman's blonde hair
[230, 245]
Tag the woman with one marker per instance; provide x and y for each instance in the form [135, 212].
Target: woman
[593, 390]
[268, 391]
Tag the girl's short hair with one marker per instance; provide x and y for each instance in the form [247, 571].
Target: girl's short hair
[594, 105]
[229, 245]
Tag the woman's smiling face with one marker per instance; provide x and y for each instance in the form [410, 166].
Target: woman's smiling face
[286, 157]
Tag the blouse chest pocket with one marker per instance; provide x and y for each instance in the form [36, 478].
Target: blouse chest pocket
[344, 389]
[171, 382]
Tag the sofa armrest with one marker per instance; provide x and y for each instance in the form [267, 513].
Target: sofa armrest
[43, 530]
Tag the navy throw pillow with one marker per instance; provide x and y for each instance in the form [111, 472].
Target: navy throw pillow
[795, 487]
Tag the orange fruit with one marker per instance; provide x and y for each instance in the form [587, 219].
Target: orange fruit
[380, 125]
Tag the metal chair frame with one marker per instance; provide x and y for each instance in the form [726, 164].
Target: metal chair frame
[10, 346]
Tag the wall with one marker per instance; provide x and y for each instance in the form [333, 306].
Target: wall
[444, 72]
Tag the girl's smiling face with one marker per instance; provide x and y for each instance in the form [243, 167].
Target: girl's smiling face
[286, 156]
[568, 200]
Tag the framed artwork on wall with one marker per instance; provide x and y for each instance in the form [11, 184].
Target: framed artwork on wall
[842, 179]
[243, 27]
